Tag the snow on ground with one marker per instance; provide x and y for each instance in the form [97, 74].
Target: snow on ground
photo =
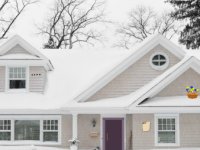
[187, 148]
[29, 148]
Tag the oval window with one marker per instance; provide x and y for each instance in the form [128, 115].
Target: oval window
[159, 61]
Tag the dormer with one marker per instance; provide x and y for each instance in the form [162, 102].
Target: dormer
[22, 67]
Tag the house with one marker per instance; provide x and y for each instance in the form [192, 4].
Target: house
[114, 100]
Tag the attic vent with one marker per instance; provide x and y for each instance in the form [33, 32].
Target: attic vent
[159, 61]
[36, 74]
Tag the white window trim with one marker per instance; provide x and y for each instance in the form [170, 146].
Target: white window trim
[7, 79]
[32, 117]
[159, 67]
[177, 132]
[8, 130]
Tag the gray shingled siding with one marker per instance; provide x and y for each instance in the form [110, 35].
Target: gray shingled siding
[189, 131]
[37, 79]
[17, 49]
[2, 78]
[85, 129]
[177, 87]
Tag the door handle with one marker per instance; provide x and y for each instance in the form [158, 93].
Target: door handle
[107, 136]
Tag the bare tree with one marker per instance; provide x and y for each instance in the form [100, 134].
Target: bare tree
[144, 21]
[71, 23]
[10, 10]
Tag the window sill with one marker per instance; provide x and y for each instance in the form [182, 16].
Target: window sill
[167, 144]
[17, 91]
[28, 143]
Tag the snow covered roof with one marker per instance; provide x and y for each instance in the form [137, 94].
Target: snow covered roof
[133, 100]
[74, 70]
[172, 101]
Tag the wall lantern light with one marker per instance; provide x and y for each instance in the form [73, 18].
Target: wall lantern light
[146, 126]
[94, 122]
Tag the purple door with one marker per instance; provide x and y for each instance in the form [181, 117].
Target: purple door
[113, 134]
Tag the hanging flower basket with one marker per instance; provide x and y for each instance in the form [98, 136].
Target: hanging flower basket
[192, 93]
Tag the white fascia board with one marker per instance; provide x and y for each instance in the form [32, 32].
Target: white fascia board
[139, 53]
[164, 110]
[16, 39]
[162, 83]
[33, 112]
[98, 111]
[27, 62]
[174, 49]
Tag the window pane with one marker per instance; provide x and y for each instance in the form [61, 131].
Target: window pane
[27, 130]
[168, 121]
[5, 124]
[5, 136]
[165, 127]
[159, 121]
[156, 63]
[168, 127]
[166, 137]
[159, 60]
[162, 63]
[50, 136]
[51, 125]
[23, 70]
[155, 57]
[164, 121]
[162, 57]
[173, 121]
[17, 73]
[15, 70]
[159, 127]
[173, 127]
[17, 84]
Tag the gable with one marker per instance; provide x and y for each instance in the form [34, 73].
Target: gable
[134, 77]
[147, 45]
[17, 45]
[177, 87]
[179, 72]
[17, 49]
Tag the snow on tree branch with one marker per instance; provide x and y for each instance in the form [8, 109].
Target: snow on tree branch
[10, 10]
[71, 23]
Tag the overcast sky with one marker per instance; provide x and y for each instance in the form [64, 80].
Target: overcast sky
[116, 10]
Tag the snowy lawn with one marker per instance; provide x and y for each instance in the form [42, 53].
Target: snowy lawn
[189, 148]
[29, 148]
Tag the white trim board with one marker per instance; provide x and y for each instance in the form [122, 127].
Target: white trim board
[145, 47]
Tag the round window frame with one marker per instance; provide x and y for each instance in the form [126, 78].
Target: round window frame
[159, 67]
